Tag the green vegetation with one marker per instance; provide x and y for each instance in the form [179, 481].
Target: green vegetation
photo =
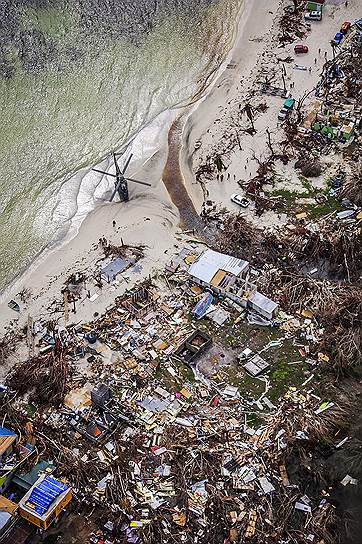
[308, 186]
[288, 195]
[30, 409]
[319, 210]
[183, 377]
[290, 202]
[281, 374]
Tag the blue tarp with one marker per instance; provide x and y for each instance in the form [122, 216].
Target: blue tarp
[44, 494]
[203, 305]
[6, 432]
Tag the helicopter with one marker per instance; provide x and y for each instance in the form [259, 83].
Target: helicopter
[121, 181]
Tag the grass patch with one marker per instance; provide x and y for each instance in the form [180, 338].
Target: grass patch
[319, 210]
[287, 203]
[237, 336]
[288, 195]
[308, 186]
[248, 386]
[171, 383]
[30, 409]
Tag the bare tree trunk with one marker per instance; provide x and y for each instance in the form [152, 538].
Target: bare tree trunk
[270, 143]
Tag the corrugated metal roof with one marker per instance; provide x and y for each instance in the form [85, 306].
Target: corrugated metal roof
[210, 262]
[115, 267]
[263, 302]
[44, 494]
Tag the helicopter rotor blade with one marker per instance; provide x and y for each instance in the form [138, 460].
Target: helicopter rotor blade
[105, 173]
[127, 163]
[140, 182]
[118, 170]
[115, 190]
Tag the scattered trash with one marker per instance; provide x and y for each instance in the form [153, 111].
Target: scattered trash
[349, 480]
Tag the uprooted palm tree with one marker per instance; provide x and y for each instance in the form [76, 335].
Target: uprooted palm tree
[250, 113]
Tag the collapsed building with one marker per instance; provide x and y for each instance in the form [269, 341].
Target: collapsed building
[228, 276]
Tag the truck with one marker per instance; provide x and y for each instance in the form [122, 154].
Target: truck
[314, 11]
[286, 109]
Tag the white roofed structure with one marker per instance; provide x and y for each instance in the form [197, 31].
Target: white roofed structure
[228, 276]
[263, 305]
[210, 262]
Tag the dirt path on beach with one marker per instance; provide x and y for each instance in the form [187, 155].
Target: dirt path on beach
[174, 181]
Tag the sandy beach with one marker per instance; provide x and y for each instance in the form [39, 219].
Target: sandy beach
[152, 217]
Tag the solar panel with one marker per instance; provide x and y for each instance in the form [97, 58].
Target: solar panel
[44, 494]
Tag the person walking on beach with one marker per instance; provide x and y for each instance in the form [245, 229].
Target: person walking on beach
[346, 3]
[310, 70]
[114, 223]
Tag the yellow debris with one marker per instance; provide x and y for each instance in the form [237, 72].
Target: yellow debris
[179, 519]
[307, 313]
[323, 357]
[186, 392]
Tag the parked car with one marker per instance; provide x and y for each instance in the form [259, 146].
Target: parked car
[313, 16]
[345, 27]
[300, 48]
[240, 200]
[338, 38]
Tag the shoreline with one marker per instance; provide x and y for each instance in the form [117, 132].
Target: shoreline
[62, 241]
[72, 231]
[56, 248]
[203, 118]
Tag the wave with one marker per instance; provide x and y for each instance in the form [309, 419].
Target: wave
[56, 124]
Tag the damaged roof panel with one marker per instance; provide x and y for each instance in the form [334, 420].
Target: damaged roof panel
[210, 262]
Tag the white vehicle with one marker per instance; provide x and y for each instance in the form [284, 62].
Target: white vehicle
[313, 16]
[282, 115]
[240, 200]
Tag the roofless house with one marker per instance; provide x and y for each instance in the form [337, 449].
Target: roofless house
[44, 501]
[121, 181]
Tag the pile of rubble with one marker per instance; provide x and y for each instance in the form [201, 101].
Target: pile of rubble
[155, 449]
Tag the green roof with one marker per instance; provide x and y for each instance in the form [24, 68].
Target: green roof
[289, 102]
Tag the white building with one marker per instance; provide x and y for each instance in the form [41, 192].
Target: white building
[228, 276]
[221, 272]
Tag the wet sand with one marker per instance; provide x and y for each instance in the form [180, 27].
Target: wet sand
[174, 180]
